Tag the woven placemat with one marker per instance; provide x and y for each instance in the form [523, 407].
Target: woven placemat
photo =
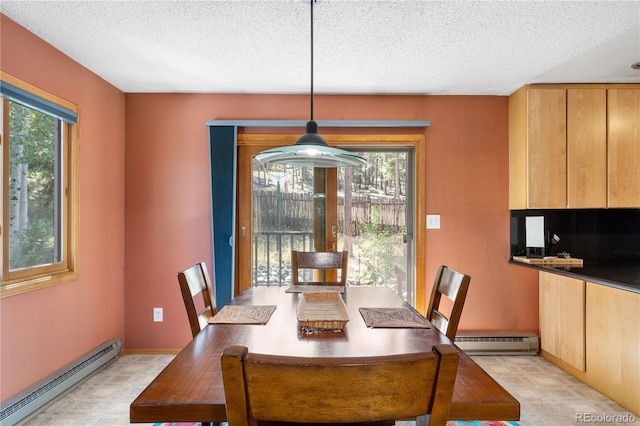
[393, 318]
[232, 314]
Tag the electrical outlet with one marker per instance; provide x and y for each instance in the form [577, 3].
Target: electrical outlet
[433, 221]
[157, 314]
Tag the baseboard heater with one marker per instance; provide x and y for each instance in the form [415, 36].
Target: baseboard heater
[498, 343]
[36, 396]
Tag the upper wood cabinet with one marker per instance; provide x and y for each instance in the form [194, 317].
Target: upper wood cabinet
[538, 148]
[586, 148]
[623, 123]
[574, 146]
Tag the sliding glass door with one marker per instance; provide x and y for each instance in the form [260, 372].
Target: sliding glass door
[376, 219]
[367, 211]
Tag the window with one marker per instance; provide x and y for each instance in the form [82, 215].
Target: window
[39, 139]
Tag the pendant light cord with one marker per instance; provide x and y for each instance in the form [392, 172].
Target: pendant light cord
[312, 1]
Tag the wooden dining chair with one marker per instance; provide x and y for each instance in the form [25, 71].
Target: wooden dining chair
[322, 261]
[198, 296]
[453, 285]
[273, 388]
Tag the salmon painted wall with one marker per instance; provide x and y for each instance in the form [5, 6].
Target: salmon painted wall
[168, 209]
[467, 184]
[43, 330]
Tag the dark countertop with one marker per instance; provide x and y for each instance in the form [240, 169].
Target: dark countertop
[623, 275]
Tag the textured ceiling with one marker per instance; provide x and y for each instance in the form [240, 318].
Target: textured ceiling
[373, 47]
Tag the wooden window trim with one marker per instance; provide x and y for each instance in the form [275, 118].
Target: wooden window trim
[30, 279]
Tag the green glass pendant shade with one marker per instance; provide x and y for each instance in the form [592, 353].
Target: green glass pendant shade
[311, 150]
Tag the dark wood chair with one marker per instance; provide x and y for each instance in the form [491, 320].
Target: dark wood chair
[271, 388]
[454, 285]
[322, 261]
[197, 293]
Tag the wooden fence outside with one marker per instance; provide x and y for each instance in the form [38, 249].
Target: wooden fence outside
[297, 211]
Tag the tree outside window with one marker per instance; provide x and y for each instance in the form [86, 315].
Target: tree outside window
[34, 188]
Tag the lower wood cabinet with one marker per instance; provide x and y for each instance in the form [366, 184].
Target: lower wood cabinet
[592, 332]
[613, 344]
[562, 318]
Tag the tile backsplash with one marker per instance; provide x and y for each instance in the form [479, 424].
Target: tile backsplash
[591, 234]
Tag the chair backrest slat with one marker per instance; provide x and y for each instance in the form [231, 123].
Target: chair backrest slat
[454, 285]
[321, 261]
[195, 282]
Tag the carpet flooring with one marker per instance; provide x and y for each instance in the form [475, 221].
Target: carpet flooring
[548, 396]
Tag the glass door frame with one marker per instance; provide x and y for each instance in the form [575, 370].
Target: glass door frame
[410, 211]
[250, 143]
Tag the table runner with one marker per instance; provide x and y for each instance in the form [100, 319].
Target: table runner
[232, 314]
[393, 318]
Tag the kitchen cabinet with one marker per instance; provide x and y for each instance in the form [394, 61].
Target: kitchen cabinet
[574, 146]
[538, 148]
[613, 344]
[624, 147]
[562, 318]
[592, 331]
[586, 148]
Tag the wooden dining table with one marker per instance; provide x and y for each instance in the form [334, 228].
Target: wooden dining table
[190, 388]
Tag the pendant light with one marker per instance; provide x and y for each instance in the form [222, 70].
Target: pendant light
[310, 150]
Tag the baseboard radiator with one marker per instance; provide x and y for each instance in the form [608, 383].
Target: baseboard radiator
[498, 343]
[36, 396]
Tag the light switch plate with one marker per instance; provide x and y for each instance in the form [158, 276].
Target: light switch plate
[433, 221]
[157, 315]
